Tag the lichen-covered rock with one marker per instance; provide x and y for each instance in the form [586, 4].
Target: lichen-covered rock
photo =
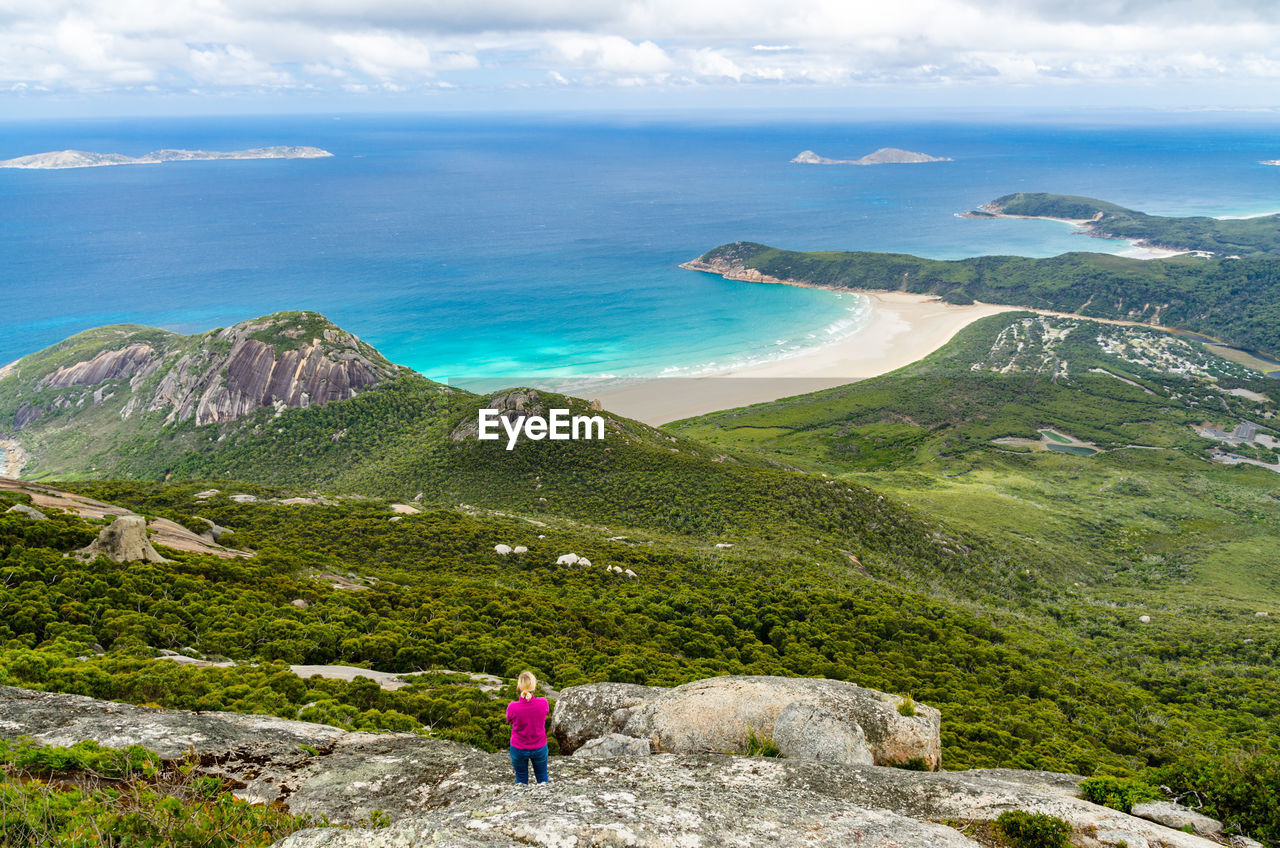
[717, 800]
[615, 745]
[809, 732]
[123, 540]
[827, 720]
[263, 758]
[1177, 817]
[643, 802]
[583, 713]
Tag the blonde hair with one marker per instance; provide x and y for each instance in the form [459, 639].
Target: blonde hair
[525, 684]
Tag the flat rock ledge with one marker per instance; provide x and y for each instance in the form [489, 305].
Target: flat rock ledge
[442, 793]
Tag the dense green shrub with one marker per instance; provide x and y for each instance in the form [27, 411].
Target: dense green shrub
[1034, 830]
[1241, 791]
[1118, 793]
[121, 798]
[28, 755]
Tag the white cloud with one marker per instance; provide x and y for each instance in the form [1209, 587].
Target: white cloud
[385, 56]
[610, 53]
[98, 45]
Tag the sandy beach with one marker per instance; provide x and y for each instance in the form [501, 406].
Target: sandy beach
[902, 329]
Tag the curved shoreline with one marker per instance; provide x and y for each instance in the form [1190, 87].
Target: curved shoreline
[902, 328]
[1138, 248]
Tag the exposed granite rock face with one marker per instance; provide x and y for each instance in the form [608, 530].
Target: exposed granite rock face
[235, 373]
[29, 511]
[1177, 817]
[615, 745]
[285, 360]
[584, 713]
[350, 776]
[825, 720]
[123, 540]
[714, 800]
[27, 414]
[442, 793]
[127, 362]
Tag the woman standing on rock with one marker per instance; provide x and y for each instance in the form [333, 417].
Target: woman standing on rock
[528, 718]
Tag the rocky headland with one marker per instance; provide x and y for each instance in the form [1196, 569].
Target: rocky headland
[59, 159]
[436, 792]
[883, 156]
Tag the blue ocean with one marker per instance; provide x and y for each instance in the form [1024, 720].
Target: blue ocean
[520, 250]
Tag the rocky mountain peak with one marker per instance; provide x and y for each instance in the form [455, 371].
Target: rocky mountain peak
[284, 360]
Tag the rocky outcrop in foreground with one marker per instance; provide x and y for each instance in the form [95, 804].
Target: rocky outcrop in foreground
[812, 719]
[442, 793]
[123, 540]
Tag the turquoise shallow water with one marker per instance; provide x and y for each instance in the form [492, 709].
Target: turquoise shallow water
[519, 250]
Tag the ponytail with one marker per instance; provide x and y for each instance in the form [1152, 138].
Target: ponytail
[525, 685]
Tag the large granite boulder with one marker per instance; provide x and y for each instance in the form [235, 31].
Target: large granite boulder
[584, 713]
[123, 540]
[812, 719]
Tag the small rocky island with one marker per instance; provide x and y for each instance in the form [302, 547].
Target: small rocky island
[883, 156]
[59, 159]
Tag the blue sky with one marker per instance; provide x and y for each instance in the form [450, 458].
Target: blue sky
[88, 57]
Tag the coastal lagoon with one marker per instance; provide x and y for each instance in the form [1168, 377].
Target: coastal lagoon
[514, 250]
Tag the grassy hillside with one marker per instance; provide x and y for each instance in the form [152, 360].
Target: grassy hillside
[961, 436]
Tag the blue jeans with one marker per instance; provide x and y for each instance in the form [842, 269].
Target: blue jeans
[520, 759]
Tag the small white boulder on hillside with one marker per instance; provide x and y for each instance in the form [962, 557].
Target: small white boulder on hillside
[584, 562]
[520, 549]
[502, 550]
[568, 559]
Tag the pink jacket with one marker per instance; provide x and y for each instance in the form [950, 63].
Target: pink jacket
[528, 723]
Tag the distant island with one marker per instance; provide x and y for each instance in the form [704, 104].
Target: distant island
[58, 159]
[883, 156]
[1270, 162]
